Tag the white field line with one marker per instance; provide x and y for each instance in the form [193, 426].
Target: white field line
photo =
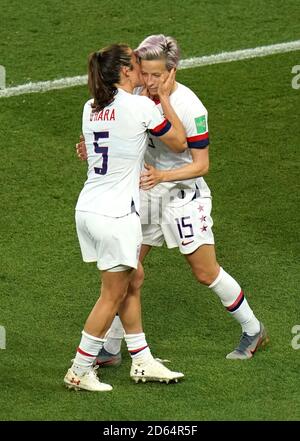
[223, 57]
[2, 77]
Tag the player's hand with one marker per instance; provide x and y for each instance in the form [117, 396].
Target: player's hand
[81, 149]
[144, 92]
[166, 83]
[150, 177]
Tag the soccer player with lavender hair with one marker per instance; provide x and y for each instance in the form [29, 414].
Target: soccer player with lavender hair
[176, 203]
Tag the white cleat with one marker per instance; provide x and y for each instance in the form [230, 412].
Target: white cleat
[153, 370]
[89, 381]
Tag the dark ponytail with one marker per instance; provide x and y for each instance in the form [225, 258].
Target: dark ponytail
[104, 73]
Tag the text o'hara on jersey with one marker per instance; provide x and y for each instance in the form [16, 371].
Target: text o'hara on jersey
[103, 115]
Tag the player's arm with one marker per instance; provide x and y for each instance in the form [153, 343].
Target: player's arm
[175, 138]
[81, 149]
[199, 167]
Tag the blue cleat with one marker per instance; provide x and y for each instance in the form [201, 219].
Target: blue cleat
[249, 344]
[105, 358]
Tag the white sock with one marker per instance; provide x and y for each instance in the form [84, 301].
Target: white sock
[115, 337]
[138, 347]
[245, 316]
[232, 297]
[87, 351]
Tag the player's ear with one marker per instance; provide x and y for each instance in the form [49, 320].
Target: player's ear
[125, 71]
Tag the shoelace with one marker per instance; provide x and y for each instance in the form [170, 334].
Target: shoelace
[161, 361]
[93, 373]
[245, 341]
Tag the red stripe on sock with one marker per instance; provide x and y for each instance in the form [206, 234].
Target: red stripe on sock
[241, 295]
[135, 351]
[84, 353]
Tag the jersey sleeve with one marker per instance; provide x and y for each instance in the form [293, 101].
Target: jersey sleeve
[161, 129]
[156, 123]
[196, 126]
[86, 114]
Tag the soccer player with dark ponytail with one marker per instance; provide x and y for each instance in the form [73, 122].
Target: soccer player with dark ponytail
[115, 125]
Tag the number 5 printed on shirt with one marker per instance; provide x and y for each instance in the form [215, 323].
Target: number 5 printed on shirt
[102, 150]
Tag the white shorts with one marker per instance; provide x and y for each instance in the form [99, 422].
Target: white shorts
[187, 227]
[109, 241]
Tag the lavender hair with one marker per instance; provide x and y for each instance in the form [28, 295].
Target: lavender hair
[159, 47]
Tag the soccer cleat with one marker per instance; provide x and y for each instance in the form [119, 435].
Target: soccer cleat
[153, 370]
[89, 381]
[249, 344]
[105, 358]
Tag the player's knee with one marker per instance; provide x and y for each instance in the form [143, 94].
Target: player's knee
[206, 276]
[113, 296]
[137, 279]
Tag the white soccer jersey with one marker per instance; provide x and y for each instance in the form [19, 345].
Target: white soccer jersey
[116, 139]
[193, 115]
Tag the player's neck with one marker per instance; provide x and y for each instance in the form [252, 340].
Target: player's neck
[125, 84]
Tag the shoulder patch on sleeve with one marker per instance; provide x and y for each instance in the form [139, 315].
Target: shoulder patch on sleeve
[200, 122]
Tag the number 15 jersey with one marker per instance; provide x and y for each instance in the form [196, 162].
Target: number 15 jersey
[116, 139]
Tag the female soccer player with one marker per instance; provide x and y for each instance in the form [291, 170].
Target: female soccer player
[176, 204]
[115, 124]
